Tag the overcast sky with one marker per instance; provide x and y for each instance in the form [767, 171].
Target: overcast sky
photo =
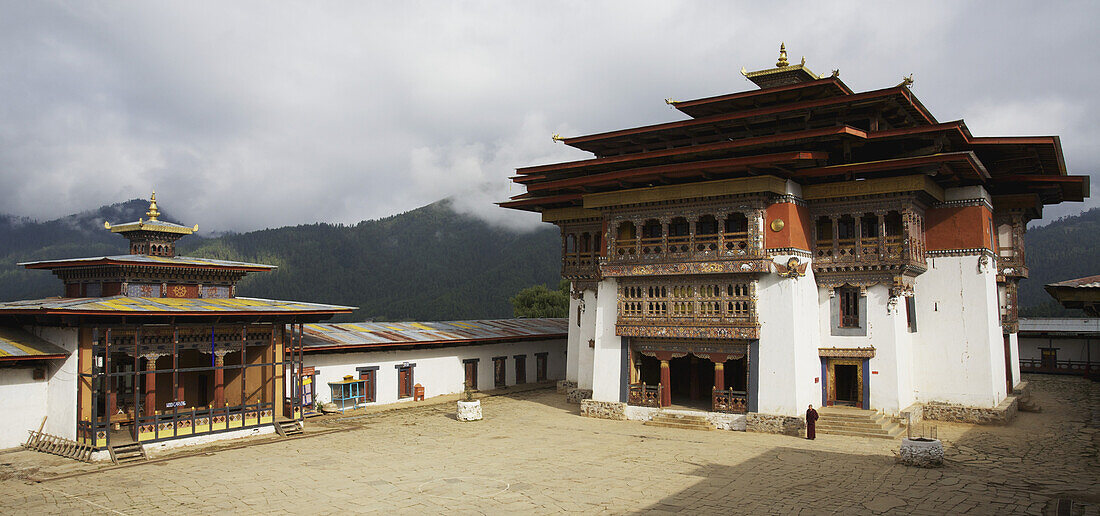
[245, 115]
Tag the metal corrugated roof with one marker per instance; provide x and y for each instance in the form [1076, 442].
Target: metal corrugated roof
[1067, 325]
[141, 259]
[383, 334]
[125, 304]
[17, 344]
[1086, 282]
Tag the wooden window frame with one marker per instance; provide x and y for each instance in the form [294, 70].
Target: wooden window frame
[520, 367]
[411, 382]
[849, 307]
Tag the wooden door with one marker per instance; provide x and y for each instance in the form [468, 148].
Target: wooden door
[404, 382]
[1049, 359]
[856, 383]
[368, 385]
[540, 367]
[521, 369]
[500, 366]
[471, 374]
[1008, 365]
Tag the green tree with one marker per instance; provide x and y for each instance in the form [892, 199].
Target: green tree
[540, 301]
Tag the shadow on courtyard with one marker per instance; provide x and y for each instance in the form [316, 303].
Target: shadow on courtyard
[1039, 462]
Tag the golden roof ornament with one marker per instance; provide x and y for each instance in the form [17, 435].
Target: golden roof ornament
[906, 81]
[153, 212]
[782, 56]
[784, 72]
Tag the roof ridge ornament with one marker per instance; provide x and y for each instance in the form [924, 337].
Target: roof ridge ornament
[153, 212]
[783, 56]
[906, 81]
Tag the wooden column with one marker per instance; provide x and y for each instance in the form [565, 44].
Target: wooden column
[694, 378]
[219, 377]
[836, 237]
[719, 376]
[151, 384]
[666, 384]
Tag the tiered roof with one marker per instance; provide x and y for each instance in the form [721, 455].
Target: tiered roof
[809, 129]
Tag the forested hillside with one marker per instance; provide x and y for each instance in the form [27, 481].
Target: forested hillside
[427, 264]
[1065, 249]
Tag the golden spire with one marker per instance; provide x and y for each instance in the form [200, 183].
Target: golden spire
[782, 56]
[153, 213]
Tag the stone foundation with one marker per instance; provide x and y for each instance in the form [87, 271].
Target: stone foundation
[1002, 414]
[564, 386]
[576, 395]
[735, 422]
[603, 409]
[639, 413]
[772, 424]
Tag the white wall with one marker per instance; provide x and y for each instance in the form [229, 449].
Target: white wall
[572, 342]
[960, 354]
[789, 338]
[23, 404]
[1014, 348]
[607, 365]
[439, 370]
[587, 332]
[62, 374]
[1069, 348]
[888, 332]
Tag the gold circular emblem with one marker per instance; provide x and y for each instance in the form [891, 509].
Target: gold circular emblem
[777, 225]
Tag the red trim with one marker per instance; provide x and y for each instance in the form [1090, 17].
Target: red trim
[745, 142]
[166, 313]
[108, 261]
[33, 357]
[903, 91]
[672, 169]
[892, 164]
[754, 93]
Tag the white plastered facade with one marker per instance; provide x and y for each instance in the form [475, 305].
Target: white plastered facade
[439, 370]
[24, 401]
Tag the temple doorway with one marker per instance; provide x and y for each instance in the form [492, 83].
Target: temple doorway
[690, 382]
[844, 382]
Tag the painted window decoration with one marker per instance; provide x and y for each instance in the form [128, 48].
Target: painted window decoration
[849, 307]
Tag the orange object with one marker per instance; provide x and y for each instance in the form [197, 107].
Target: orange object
[418, 392]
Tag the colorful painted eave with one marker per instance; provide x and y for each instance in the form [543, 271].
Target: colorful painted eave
[145, 260]
[373, 335]
[124, 305]
[17, 344]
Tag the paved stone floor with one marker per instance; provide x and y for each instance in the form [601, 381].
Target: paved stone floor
[534, 454]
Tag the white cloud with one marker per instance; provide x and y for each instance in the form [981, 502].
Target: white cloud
[255, 114]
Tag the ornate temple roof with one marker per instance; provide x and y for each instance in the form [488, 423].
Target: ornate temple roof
[17, 344]
[783, 74]
[152, 224]
[116, 305]
[334, 336]
[141, 259]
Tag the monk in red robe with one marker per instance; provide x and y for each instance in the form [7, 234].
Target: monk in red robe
[811, 422]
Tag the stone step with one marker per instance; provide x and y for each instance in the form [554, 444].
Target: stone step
[864, 416]
[686, 421]
[892, 435]
[674, 424]
[875, 431]
[849, 424]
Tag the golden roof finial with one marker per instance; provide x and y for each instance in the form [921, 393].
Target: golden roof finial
[153, 213]
[782, 56]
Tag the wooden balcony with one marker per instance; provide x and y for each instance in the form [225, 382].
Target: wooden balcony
[889, 252]
[580, 265]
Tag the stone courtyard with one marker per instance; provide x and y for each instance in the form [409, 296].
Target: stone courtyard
[533, 454]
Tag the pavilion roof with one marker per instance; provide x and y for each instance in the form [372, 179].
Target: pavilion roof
[742, 101]
[125, 305]
[147, 260]
[372, 335]
[17, 344]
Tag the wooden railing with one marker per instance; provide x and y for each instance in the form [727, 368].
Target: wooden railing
[642, 395]
[1080, 367]
[581, 259]
[729, 401]
[732, 245]
[652, 245]
[679, 244]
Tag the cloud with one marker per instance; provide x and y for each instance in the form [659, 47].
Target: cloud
[256, 114]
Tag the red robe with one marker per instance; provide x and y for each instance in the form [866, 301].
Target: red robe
[811, 423]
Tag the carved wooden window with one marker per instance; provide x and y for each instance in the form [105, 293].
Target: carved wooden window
[571, 243]
[651, 237]
[657, 305]
[736, 233]
[679, 235]
[683, 300]
[849, 307]
[626, 239]
[740, 303]
[706, 233]
[632, 301]
[824, 236]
